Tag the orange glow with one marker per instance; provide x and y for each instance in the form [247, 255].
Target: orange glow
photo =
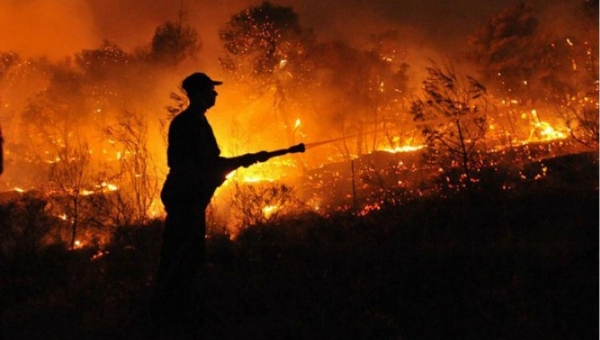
[300, 103]
[269, 210]
[405, 148]
[543, 131]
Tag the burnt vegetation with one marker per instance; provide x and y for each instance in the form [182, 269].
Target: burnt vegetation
[511, 265]
[489, 229]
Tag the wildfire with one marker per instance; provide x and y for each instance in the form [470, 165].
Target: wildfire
[543, 131]
[86, 192]
[367, 209]
[405, 148]
[249, 177]
[109, 186]
[269, 210]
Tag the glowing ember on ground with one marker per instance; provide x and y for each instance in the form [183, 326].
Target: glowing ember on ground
[406, 148]
[269, 210]
[545, 132]
[99, 255]
[109, 186]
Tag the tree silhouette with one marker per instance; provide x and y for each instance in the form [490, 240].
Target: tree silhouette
[452, 113]
[172, 43]
[71, 175]
[137, 171]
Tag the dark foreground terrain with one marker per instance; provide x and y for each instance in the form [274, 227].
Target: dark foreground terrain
[520, 264]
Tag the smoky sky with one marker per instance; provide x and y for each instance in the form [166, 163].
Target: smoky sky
[58, 28]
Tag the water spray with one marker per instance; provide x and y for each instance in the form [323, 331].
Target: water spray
[314, 144]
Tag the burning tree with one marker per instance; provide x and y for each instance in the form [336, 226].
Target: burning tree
[173, 43]
[71, 176]
[366, 90]
[349, 93]
[68, 115]
[512, 52]
[101, 66]
[391, 93]
[525, 60]
[259, 203]
[579, 107]
[452, 114]
[266, 48]
[137, 171]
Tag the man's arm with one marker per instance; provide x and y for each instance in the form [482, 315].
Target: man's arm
[227, 165]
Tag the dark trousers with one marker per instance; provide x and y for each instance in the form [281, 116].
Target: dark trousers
[178, 295]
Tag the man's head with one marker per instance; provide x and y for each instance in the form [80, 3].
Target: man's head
[200, 89]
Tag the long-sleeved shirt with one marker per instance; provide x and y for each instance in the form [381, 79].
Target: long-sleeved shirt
[192, 144]
[193, 159]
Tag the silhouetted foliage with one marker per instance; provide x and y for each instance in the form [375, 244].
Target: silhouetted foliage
[518, 265]
[102, 64]
[173, 43]
[137, 171]
[265, 44]
[452, 114]
[26, 227]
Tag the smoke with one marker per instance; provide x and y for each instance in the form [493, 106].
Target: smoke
[57, 28]
[50, 28]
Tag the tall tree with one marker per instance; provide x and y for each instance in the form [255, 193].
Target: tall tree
[510, 51]
[173, 42]
[137, 170]
[70, 174]
[266, 49]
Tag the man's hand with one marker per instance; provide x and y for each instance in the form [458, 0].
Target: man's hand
[262, 156]
[253, 158]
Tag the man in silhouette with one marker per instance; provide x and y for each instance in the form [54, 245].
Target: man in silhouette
[196, 169]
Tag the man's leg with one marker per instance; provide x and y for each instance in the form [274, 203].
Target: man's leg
[177, 300]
